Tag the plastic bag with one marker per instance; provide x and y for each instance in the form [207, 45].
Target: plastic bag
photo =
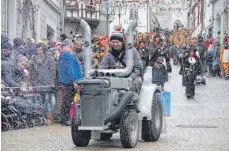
[72, 108]
[166, 103]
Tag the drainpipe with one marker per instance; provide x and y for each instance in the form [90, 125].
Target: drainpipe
[62, 16]
[87, 46]
[129, 58]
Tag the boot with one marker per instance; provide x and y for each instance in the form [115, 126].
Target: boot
[49, 119]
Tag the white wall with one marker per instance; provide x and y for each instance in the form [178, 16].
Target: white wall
[218, 6]
[168, 18]
[208, 13]
[4, 11]
[57, 3]
[208, 18]
[125, 22]
[49, 17]
[165, 18]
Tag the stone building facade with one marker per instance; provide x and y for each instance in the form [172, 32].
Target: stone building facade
[37, 19]
[84, 9]
[221, 17]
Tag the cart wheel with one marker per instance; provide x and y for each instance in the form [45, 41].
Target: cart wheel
[23, 123]
[151, 129]
[16, 125]
[106, 136]
[79, 137]
[129, 128]
[5, 126]
[204, 82]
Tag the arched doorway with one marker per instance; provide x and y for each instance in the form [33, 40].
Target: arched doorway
[177, 24]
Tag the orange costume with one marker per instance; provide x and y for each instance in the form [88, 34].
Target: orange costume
[224, 60]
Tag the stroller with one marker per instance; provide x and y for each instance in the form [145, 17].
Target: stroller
[20, 109]
[200, 73]
[159, 72]
[31, 111]
[9, 115]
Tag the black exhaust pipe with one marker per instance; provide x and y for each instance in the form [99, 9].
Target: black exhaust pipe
[121, 106]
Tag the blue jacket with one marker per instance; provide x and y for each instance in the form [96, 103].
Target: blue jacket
[68, 68]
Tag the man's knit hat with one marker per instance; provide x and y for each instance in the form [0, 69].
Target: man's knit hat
[116, 36]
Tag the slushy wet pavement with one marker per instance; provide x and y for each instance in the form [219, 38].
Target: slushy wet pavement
[201, 124]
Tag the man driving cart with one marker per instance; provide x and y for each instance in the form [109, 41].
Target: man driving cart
[116, 59]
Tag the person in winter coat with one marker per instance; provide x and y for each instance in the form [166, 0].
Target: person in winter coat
[18, 48]
[15, 74]
[69, 72]
[30, 47]
[210, 55]
[190, 63]
[158, 52]
[216, 60]
[224, 59]
[78, 49]
[6, 59]
[202, 50]
[144, 53]
[43, 73]
[116, 58]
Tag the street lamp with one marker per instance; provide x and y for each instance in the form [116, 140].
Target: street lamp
[147, 16]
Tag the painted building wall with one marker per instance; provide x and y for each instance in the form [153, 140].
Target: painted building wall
[168, 18]
[49, 17]
[4, 22]
[178, 12]
[208, 17]
[218, 9]
[221, 18]
[125, 20]
[45, 15]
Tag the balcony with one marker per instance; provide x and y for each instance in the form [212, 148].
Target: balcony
[213, 1]
[76, 10]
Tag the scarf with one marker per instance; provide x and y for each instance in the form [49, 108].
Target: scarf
[192, 59]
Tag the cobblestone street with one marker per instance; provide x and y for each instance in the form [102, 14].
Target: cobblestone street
[195, 125]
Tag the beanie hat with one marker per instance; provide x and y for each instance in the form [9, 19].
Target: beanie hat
[66, 42]
[22, 58]
[116, 36]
